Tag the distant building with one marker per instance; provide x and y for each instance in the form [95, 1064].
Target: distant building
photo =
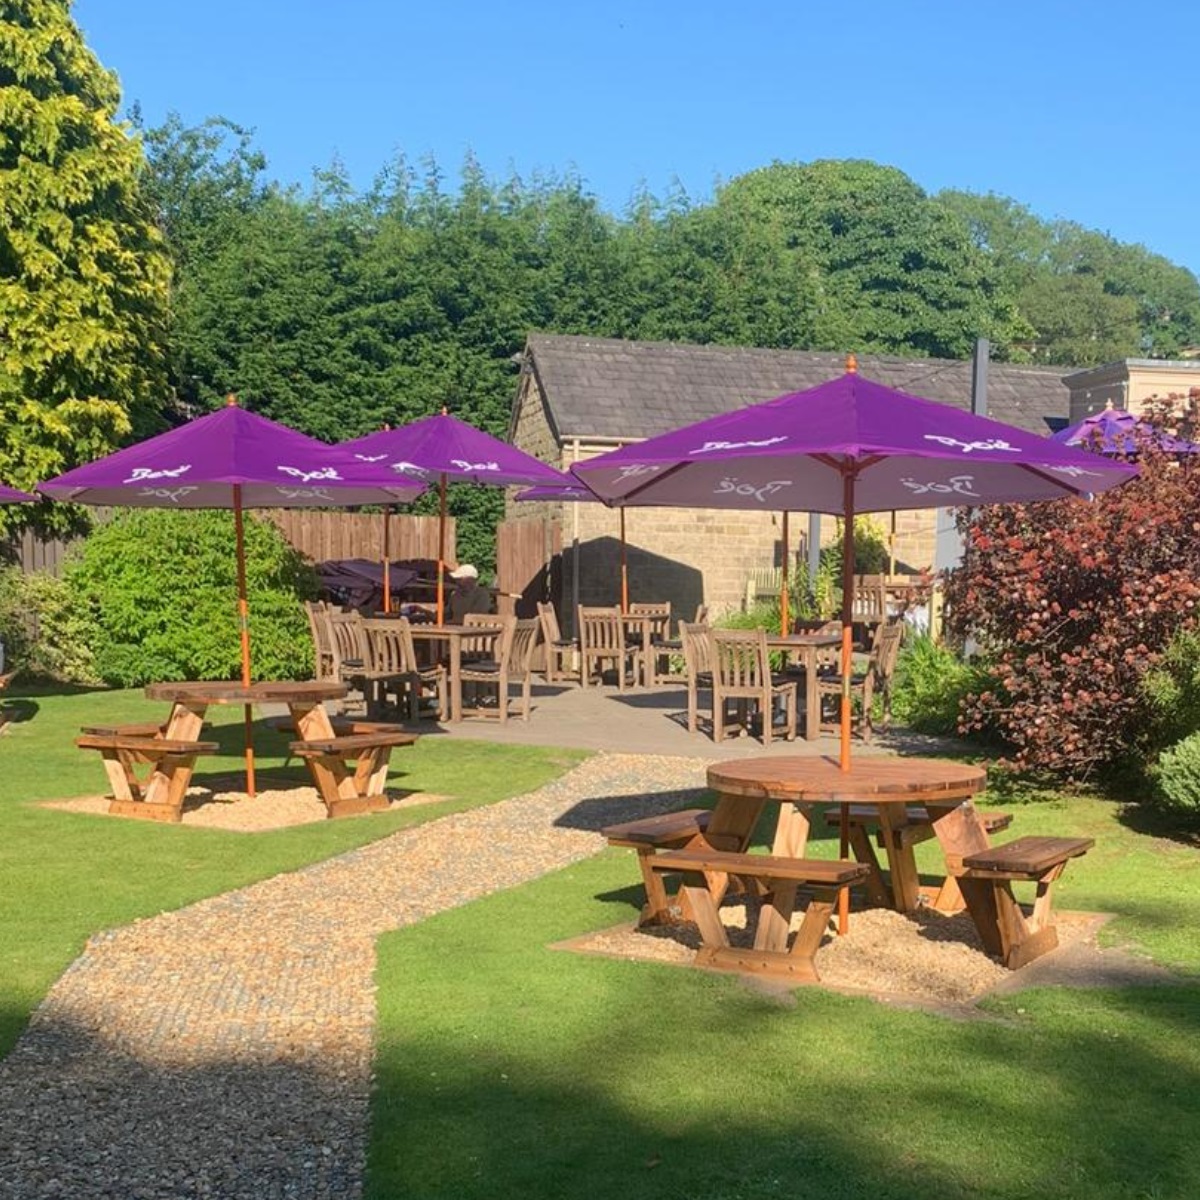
[579, 397]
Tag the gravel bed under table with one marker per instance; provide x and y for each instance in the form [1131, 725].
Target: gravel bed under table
[225, 1050]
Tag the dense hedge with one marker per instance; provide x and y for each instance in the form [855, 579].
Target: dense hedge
[159, 589]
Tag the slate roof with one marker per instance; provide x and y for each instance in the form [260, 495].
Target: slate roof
[607, 388]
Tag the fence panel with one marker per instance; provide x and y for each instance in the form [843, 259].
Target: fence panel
[318, 534]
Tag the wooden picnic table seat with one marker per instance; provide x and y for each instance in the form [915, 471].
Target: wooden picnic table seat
[781, 878]
[159, 796]
[916, 825]
[135, 729]
[648, 835]
[909, 826]
[350, 769]
[986, 878]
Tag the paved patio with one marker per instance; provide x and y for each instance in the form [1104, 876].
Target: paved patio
[646, 721]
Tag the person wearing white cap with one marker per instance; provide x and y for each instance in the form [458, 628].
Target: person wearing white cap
[468, 596]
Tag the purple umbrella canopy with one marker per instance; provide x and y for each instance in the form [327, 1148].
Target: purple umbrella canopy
[444, 445]
[796, 452]
[234, 459]
[844, 447]
[12, 496]
[198, 465]
[1115, 431]
[444, 448]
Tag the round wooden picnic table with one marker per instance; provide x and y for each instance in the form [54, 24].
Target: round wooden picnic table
[799, 783]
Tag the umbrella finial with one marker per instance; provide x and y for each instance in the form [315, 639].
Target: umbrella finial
[445, 411]
[1108, 407]
[851, 365]
[231, 399]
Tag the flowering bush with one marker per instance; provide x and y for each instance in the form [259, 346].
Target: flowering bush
[1073, 603]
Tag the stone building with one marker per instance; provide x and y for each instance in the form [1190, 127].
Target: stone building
[578, 397]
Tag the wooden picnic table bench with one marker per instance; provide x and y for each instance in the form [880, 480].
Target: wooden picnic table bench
[350, 769]
[896, 837]
[159, 796]
[781, 877]
[986, 878]
[649, 835]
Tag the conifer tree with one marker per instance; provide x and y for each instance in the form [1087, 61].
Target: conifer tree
[84, 276]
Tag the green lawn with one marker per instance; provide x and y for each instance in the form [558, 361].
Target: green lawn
[507, 1069]
[68, 875]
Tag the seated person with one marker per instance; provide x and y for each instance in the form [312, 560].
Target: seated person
[468, 596]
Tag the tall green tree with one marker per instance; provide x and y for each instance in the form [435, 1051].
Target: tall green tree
[886, 268]
[83, 271]
[1087, 298]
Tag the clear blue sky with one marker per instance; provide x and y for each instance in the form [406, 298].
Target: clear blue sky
[1049, 103]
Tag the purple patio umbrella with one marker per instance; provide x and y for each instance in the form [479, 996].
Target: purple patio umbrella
[12, 496]
[234, 459]
[446, 448]
[1116, 431]
[844, 447]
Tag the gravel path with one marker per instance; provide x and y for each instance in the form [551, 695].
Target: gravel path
[225, 1050]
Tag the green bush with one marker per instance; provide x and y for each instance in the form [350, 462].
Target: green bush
[929, 684]
[1177, 777]
[44, 635]
[1171, 690]
[158, 589]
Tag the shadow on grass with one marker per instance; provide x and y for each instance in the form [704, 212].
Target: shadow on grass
[1152, 822]
[17, 710]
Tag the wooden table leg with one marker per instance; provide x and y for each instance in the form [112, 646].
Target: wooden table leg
[812, 698]
[902, 861]
[184, 724]
[456, 713]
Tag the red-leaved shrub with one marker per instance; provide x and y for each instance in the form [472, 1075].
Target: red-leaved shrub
[1071, 602]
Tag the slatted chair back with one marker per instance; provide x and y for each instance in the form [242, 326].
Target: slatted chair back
[886, 651]
[601, 630]
[602, 639]
[489, 646]
[524, 641]
[740, 662]
[701, 617]
[549, 619]
[869, 598]
[349, 641]
[697, 658]
[323, 652]
[697, 648]
[741, 667]
[386, 642]
[558, 649]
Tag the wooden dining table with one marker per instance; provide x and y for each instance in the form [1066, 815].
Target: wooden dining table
[805, 649]
[798, 784]
[453, 636]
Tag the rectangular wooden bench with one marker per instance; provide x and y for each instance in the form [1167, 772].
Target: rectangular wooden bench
[781, 877]
[649, 835]
[350, 769]
[159, 796]
[986, 878]
[910, 826]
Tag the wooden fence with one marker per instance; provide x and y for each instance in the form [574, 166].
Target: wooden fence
[318, 534]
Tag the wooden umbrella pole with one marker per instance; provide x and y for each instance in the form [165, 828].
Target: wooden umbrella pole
[387, 559]
[441, 570]
[847, 668]
[624, 568]
[784, 615]
[239, 533]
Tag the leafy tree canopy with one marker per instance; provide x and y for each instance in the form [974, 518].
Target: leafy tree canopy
[83, 271]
